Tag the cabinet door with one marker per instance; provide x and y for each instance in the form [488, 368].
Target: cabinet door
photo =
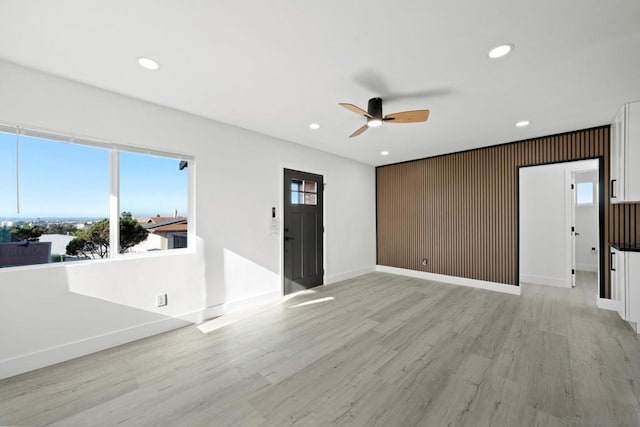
[617, 153]
[632, 280]
[632, 153]
[618, 290]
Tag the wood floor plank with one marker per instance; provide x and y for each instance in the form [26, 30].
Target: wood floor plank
[498, 402]
[376, 350]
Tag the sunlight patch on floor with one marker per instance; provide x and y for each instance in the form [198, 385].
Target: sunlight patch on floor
[233, 317]
[313, 301]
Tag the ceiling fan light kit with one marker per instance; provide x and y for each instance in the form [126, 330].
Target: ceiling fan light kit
[375, 118]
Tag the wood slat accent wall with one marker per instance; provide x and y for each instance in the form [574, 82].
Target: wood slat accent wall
[625, 225]
[460, 210]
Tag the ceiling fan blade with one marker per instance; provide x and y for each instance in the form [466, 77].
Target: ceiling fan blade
[408, 116]
[356, 110]
[359, 131]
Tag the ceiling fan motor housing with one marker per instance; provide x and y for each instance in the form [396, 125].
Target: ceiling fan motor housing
[375, 108]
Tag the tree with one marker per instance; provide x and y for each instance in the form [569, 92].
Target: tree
[131, 232]
[61, 228]
[26, 232]
[94, 240]
[91, 241]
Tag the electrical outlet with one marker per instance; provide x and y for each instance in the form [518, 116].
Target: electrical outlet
[424, 261]
[162, 300]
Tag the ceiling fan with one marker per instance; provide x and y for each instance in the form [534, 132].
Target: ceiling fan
[375, 118]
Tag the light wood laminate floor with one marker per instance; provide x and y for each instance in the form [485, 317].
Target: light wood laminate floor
[385, 351]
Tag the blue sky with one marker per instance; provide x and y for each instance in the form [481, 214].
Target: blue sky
[67, 180]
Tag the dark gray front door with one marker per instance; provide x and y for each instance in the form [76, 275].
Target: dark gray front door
[303, 228]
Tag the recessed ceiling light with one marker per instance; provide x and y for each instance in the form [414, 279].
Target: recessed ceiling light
[522, 123]
[148, 63]
[500, 51]
[314, 126]
[384, 153]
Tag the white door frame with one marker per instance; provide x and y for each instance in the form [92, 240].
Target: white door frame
[570, 214]
[572, 220]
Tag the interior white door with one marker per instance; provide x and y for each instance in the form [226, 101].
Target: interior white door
[573, 230]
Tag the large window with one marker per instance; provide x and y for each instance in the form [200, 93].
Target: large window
[58, 198]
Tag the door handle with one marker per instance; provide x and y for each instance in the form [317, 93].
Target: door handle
[577, 234]
[611, 261]
[613, 189]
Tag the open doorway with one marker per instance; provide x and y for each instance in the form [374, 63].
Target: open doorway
[559, 225]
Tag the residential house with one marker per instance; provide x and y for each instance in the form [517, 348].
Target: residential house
[164, 233]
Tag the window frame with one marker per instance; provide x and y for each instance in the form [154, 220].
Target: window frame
[115, 149]
[302, 191]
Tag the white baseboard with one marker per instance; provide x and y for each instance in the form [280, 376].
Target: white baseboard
[67, 351]
[587, 267]
[544, 280]
[348, 275]
[608, 304]
[453, 280]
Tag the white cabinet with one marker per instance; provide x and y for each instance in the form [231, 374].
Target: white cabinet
[632, 284]
[625, 284]
[625, 154]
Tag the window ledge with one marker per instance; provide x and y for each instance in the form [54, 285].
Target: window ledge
[127, 257]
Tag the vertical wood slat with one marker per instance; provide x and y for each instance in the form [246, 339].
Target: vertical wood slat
[626, 223]
[460, 210]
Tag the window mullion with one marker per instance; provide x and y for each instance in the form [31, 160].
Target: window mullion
[114, 203]
[17, 170]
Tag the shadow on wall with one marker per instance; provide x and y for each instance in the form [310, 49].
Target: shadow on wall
[42, 323]
[52, 314]
[49, 314]
[245, 279]
[138, 281]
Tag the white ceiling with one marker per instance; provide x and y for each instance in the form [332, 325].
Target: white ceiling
[275, 66]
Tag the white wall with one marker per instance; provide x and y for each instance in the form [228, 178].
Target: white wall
[545, 251]
[587, 226]
[51, 313]
[54, 313]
